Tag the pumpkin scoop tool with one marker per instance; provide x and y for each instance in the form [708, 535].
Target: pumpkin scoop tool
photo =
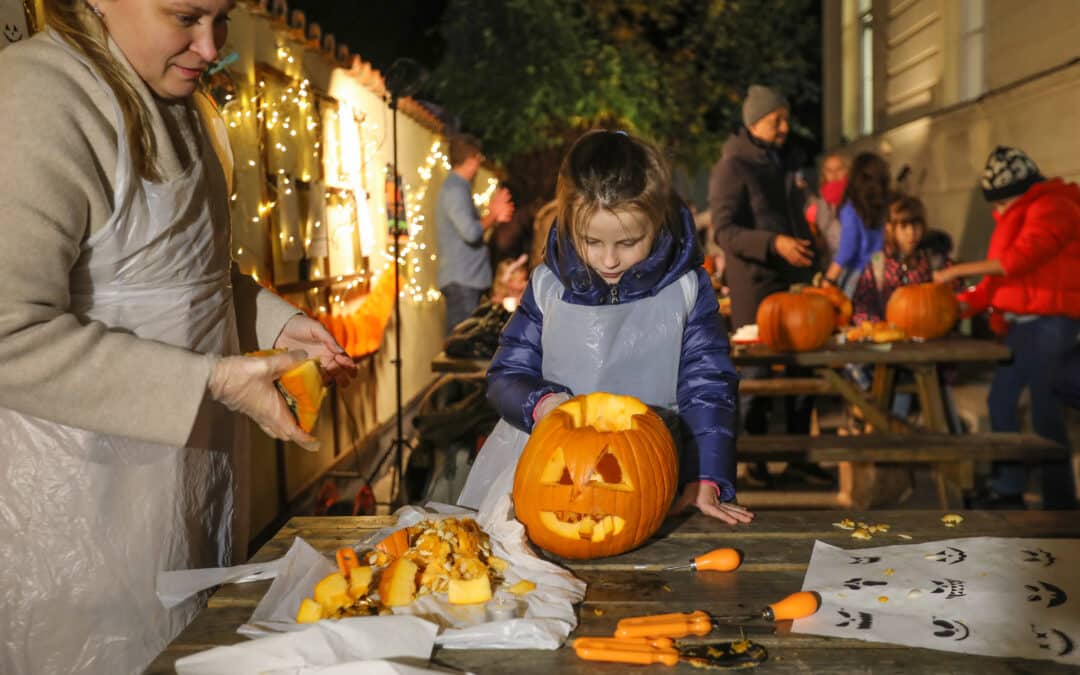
[646, 651]
[678, 624]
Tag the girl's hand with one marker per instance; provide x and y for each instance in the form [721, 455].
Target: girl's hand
[704, 496]
[547, 404]
[943, 276]
[307, 334]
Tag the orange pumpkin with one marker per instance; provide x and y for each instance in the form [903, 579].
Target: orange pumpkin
[924, 311]
[795, 322]
[596, 477]
[840, 302]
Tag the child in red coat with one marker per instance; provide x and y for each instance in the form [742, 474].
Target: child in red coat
[1032, 286]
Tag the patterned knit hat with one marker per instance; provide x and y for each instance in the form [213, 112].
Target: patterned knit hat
[1008, 173]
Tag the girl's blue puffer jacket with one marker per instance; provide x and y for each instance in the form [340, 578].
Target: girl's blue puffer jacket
[707, 384]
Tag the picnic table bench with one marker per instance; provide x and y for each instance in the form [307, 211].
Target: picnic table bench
[776, 547]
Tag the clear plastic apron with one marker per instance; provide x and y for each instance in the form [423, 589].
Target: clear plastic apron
[631, 349]
[89, 519]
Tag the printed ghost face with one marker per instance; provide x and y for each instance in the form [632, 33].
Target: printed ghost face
[1040, 556]
[952, 629]
[1045, 594]
[950, 555]
[1053, 640]
[12, 33]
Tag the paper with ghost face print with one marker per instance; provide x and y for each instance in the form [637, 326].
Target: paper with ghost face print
[980, 595]
[13, 24]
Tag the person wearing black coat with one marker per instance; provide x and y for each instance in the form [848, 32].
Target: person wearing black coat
[757, 220]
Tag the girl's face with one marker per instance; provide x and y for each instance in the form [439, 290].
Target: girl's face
[615, 241]
[170, 43]
[905, 233]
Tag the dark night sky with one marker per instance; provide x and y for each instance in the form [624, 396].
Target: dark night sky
[380, 32]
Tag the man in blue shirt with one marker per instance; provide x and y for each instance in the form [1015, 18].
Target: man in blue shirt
[464, 264]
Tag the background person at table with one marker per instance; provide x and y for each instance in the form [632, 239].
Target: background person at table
[902, 261]
[757, 220]
[622, 305]
[822, 211]
[464, 263]
[1032, 285]
[120, 459]
[862, 220]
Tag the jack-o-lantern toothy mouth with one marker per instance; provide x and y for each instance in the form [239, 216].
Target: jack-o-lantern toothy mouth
[594, 527]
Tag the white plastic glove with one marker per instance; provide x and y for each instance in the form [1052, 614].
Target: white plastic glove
[245, 384]
[547, 404]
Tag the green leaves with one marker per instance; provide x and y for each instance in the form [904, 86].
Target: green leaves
[529, 74]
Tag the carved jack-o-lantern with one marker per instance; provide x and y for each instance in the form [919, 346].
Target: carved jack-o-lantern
[596, 478]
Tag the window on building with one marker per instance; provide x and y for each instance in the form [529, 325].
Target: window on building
[866, 67]
[972, 74]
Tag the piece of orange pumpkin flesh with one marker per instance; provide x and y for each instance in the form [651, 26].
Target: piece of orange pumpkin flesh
[303, 390]
[469, 591]
[398, 583]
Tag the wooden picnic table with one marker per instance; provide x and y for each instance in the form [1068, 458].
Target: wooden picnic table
[776, 548]
[921, 359]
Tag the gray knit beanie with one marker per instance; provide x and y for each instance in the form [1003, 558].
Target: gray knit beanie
[1008, 173]
[759, 102]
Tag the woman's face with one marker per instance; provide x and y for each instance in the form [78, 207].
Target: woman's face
[615, 241]
[170, 43]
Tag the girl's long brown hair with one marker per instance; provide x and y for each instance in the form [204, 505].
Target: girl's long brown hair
[84, 31]
[868, 189]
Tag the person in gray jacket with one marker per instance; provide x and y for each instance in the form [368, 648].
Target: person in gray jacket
[464, 266]
[757, 220]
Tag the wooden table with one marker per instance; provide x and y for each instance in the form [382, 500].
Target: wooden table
[921, 358]
[777, 547]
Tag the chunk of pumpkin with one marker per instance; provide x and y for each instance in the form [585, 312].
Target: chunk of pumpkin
[310, 611]
[395, 543]
[398, 583]
[469, 591]
[301, 387]
[522, 587]
[332, 592]
[359, 581]
[303, 390]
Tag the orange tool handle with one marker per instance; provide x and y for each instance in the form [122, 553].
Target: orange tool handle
[641, 651]
[675, 625]
[719, 560]
[794, 606]
[347, 560]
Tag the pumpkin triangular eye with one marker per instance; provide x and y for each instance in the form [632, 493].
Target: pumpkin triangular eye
[607, 470]
[565, 478]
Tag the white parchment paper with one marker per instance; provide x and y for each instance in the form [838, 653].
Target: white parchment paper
[980, 595]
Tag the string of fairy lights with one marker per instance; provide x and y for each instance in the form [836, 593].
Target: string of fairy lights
[286, 134]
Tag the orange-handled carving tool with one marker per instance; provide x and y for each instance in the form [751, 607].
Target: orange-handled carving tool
[678, 624]
[717, 560]
[642, 651]
[646, 651]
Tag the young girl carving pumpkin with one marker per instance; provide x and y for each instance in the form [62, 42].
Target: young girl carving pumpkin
[620, 304]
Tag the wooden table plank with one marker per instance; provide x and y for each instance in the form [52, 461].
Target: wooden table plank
[777, 548]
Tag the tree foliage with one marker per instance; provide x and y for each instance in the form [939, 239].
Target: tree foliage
[527, 75]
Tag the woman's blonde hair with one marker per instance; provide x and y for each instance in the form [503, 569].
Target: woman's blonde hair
[84, 31]
[613, 171]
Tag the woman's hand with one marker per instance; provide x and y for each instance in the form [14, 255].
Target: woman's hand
[707, 500]
[245, 384]
[303, 332]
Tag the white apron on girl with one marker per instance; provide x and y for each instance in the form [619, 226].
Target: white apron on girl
[631, 349]
[87, 519]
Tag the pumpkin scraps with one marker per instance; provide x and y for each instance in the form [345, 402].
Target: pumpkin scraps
[451, 556]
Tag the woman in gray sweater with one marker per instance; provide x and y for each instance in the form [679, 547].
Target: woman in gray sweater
[121, 321]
